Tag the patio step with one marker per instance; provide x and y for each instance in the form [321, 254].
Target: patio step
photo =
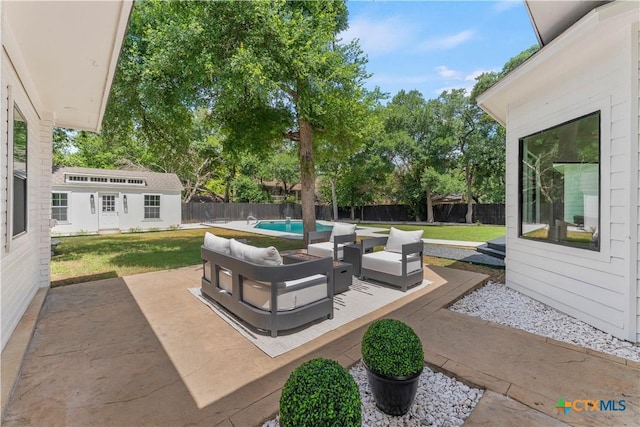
[496, 248]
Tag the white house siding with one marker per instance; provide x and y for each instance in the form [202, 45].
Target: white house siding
[81, 219]
[568, 81]
[636, 176]
[18, 282]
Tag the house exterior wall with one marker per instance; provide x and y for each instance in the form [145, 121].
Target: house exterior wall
[81, 219]
[18, 284]
[635, 175]
[565, 82]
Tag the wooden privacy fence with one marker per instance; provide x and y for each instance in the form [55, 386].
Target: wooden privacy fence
[217, 212]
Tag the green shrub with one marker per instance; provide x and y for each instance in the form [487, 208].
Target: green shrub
[320, 393]
[390, 347]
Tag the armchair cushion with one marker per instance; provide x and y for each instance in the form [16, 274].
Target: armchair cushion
[254, 255]
[324, 249]
[216, 243]
[390, 262]
[340, 228]
[397, 238]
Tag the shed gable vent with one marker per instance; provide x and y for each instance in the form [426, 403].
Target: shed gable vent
[104, 180]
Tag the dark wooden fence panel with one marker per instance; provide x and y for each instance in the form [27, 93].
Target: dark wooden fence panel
[452, 213]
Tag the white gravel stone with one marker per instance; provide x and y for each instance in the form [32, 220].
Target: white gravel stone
[440, 401]
[497, 303]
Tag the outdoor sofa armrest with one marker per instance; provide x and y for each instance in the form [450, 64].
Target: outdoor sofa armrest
[322, 236]
[370, 243]
[412, 248]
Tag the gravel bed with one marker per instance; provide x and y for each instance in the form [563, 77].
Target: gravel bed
[497, 303]
[466, 255]
[440, 401]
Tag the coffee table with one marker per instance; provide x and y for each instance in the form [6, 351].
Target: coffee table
[342, 272]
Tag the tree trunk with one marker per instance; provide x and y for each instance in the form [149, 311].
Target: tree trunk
[307, 178]
[469, 178]
[334, 199]
[429, 206]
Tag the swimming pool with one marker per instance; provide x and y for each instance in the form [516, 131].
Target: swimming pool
[294, 226]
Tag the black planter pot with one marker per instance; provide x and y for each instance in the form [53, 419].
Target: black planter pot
[393, 395]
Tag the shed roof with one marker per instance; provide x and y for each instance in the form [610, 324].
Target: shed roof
[153, 180]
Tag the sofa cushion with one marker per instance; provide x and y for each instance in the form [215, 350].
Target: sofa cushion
[340, 228]
[258, 294]
[324, 249]
[254, 255]
[397, 238]
[216, 243]
[390, 262]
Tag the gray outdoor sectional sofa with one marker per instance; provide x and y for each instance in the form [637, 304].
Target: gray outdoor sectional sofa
[254, 285]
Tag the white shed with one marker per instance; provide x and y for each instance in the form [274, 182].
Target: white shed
[57, 63]
[573, 181]
[85, 200]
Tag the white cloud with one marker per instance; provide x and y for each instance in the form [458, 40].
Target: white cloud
[447, 42]
[504, 5]
[446, 72]
[379, 37]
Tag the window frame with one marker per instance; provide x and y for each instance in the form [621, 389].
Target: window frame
[146, 206]
[11, 198]
[65, 207]
[592, 248]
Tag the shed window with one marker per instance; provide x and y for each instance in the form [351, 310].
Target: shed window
[59, 206]
[560, 184]
[19, 207]
[152, 206]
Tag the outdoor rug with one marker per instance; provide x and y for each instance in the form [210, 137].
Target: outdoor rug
[362, 298]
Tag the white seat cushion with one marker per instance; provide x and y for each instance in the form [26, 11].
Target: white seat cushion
[259, 294]
[397, 238]
[389, 262]
[324, 249]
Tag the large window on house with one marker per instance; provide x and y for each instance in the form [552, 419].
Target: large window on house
[19, 207]
[560, 184]
[152, 206]
[59, 206]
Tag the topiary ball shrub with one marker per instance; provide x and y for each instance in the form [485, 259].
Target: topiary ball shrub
[390, 347]
[320, 393]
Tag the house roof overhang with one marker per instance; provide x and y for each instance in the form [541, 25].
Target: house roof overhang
[66, 53]
[550, 18]
[557, 60]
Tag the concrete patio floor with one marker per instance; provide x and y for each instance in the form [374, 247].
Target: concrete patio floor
[140, 350]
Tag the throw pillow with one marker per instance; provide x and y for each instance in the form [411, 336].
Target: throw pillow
[260, 256]
[397, 238]
[340, 229]
[216, 243]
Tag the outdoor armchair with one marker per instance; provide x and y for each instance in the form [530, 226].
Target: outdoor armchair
[330, 244]
[399, 263]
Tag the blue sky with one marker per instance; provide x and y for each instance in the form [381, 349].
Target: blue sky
[436, 45]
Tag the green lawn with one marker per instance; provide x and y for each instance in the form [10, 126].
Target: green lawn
[465, 233]
[86, 258]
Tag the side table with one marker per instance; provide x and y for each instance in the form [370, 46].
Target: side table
[353, 255]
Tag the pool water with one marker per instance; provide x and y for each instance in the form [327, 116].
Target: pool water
[289, 227]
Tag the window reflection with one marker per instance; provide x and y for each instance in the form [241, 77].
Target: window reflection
[560, 183]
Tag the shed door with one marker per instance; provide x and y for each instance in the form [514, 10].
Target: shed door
[109, 218]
